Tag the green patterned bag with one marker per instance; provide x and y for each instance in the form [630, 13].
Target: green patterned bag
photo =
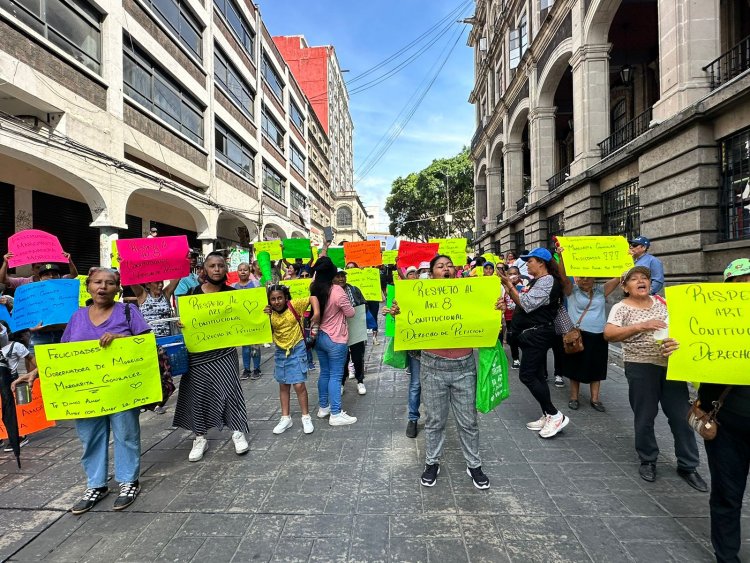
[392, 358]
[492, 378]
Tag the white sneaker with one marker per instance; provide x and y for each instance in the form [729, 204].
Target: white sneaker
[351, 374]
[537, 425]
[374, 340]
[559, 381]
[323, 412]
[307, 425]
[341, 419]
[284, 423]
[361, 389]
[240, 443]
[553, 426]
[200, 445]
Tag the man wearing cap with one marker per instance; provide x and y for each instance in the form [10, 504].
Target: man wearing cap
[411, 273]
[191, 280]
[639, 251]
[153, 232]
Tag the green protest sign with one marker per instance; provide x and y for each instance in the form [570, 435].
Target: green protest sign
[296, 248]
[336, 254]
[390, 322]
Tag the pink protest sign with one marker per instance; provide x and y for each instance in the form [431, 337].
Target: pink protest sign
[144, 260]
[34, 246]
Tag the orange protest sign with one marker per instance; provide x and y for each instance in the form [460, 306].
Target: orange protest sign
[363, 254]
[31, 417]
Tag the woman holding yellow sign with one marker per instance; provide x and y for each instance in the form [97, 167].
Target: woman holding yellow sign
[105, 320]
[210, 392]
[637, 322]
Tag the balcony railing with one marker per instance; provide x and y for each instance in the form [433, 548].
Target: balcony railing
[521, 203]
[477, 136]
[732, 63]
[631, 130]
[559, 179]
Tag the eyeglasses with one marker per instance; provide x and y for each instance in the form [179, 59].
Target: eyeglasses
[633, 245]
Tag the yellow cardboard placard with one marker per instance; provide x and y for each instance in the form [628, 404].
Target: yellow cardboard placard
[710, 321]
[298, 288]
[389, 257]
[455, 248]
[84, 380]
[224, 319]
[115, 255]
[596, 257]
[273, 247]
[367, 280]
[447, 313]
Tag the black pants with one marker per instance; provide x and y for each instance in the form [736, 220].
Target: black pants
[534, 345]
[357, 355]
[514, 351]
[647, 388]
[558, 355]
[729, 462]
[374, 307]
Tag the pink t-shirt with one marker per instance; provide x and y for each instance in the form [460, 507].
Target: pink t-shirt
[18, 282]
[337, 310]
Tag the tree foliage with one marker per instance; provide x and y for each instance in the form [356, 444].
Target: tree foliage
[418, 202]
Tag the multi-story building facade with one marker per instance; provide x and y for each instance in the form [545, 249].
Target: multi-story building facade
[319, 183]
[118, 116]
[351, 217]
[614, 117]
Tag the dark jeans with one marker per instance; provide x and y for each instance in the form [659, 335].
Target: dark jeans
[514, 351]
[729, 462]
[534, 345]
[356, 354]
[647, 388]
[558, 354]
[374, 307]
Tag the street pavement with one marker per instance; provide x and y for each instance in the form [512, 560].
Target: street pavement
[353, 493]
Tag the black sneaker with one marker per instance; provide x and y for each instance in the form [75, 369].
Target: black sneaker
[24, 442]
[128, 492]
[411, 429]
[429, 476]
[89, 499]
[256, 375]
[478, 477]
[245, 374]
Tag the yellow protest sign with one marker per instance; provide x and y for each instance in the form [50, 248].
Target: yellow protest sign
[298, 288]
[709, 320]
[224, 319]
[447, 313]
[273, 247]
[455, 248]
[367, 280]
[596, 257]
[84, 380]
[115, 255]
[389, 257]
[84, 295]
[315, 253]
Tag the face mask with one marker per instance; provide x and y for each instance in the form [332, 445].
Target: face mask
[424, 276]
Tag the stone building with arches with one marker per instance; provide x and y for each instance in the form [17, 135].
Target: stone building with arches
[614, 117]
[119, 116]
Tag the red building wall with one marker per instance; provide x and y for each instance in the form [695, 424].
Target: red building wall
[310, 68]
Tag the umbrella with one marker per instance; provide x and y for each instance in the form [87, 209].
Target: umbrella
[8, 404]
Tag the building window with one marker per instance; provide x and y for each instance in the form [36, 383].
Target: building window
[272, 78]
[272, 130]
[621, 210]
[297, 200]
[523, 33]
[515, 49]
[71, 25]
[297, 158]
[239, 25]
[181, 21]
[555, 228]
[344, 217]
[227, 75]
[499, 82]
[735, 186]
[273, 183]
[149, 85]
[296, 114]
[544, 7]
[233, 152]
[619, 116]
[520, 242]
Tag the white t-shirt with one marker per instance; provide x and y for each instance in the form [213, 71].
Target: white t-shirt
[14, 353]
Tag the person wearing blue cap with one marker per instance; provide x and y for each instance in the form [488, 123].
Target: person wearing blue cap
[533, 329]
[639, 251]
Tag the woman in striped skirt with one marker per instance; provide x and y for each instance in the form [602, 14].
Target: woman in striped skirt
[210, 393]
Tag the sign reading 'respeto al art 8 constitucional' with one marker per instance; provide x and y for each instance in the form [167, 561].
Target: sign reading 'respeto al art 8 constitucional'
[447, 313]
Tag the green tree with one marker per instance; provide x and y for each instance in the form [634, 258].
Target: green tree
[418, 203]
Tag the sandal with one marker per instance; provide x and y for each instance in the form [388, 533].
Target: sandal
[573, 404]
[598, 406]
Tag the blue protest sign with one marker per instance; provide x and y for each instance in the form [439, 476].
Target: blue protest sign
[5, 316]
[49, 302]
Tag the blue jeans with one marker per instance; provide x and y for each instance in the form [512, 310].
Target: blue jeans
[310, 359]
[331, 357]
[415, 388]
[94, 435]
[251, 352]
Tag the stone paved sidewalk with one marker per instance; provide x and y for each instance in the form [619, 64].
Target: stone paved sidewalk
[353, 493]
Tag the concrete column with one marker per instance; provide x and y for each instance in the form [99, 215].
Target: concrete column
[207, 246]
[591, 104]
[494, 197]
[689, 39]
[480, 206]
[513, 159]
[24, 209]
[107, 235]
[542, 137]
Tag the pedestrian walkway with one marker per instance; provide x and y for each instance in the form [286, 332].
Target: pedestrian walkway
[352, 493]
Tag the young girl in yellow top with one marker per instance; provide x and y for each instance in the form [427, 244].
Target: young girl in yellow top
[291, 353]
